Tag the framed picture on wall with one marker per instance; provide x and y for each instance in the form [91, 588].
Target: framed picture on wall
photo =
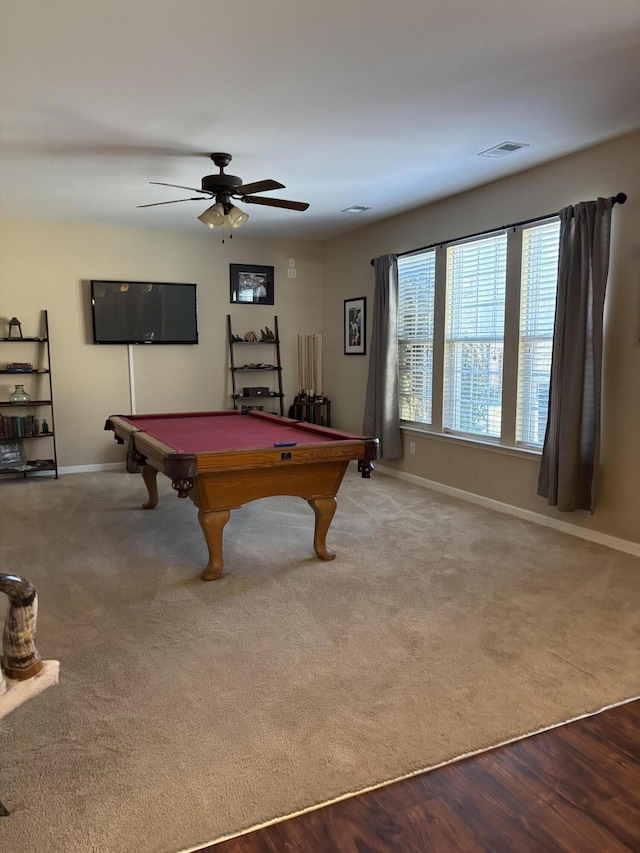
[251, 284]
[355, 332]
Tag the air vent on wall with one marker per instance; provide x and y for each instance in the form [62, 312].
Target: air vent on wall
[503, 149]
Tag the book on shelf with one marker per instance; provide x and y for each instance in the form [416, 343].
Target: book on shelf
[19, 426]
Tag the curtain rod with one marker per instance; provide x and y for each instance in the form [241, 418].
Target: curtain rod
[620, 198]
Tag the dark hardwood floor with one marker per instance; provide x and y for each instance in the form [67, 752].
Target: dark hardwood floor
[575, 789]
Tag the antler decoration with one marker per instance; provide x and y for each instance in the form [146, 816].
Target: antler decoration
[20, 656]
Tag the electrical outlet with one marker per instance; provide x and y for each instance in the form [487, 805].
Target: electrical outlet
[292, 272]
[412, 447]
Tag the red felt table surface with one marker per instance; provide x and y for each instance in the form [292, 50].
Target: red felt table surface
[227, 431]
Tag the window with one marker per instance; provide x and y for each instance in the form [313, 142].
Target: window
[475, 332]
[540, 246]
[415, 335]
[474, 336]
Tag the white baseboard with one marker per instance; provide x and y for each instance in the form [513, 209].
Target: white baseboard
[528, 515]
[87, 469]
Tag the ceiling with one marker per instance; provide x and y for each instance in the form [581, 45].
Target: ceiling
[357, 102]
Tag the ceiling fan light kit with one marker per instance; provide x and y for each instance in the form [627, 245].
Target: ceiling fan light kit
[213, 215]
[226, 215]
[222, 188]
[236, 216]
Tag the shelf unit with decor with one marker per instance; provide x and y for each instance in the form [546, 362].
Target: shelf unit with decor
[21, 423]
[254, 368]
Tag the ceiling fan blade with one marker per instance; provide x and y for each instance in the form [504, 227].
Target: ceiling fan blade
[276, 202]
[260, 187]
[175, 201]
[180, 187]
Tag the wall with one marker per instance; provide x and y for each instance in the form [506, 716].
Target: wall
[603, 170]
[48, 265]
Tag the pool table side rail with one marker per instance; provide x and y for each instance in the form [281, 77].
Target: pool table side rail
[301, 454]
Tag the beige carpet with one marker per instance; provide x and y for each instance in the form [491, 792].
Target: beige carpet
[189, 711]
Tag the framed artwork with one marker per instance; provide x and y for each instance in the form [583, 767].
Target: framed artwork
[355, 332]
[12, 454]
[251, 284]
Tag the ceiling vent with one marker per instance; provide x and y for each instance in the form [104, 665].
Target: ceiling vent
[503, 149]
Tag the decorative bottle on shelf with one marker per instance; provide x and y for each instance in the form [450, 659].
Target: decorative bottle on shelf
[19, 396]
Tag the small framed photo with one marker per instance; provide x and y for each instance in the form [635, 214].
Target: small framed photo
[355, 331]
[251, 284]
[12, 454]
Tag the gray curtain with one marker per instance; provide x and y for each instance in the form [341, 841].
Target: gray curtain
[568, 472]
[381, 414]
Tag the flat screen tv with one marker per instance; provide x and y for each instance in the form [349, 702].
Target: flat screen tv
[144, 312]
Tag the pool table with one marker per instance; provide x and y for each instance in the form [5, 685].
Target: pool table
[222, 460]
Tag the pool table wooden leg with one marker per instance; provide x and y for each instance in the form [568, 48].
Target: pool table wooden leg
[212, 523]
[149, 475]
[324, 508]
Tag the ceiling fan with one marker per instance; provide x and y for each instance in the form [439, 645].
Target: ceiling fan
[222, 188]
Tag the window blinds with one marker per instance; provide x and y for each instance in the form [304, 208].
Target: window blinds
[474, 336]
[416, 289]
[540, 248]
